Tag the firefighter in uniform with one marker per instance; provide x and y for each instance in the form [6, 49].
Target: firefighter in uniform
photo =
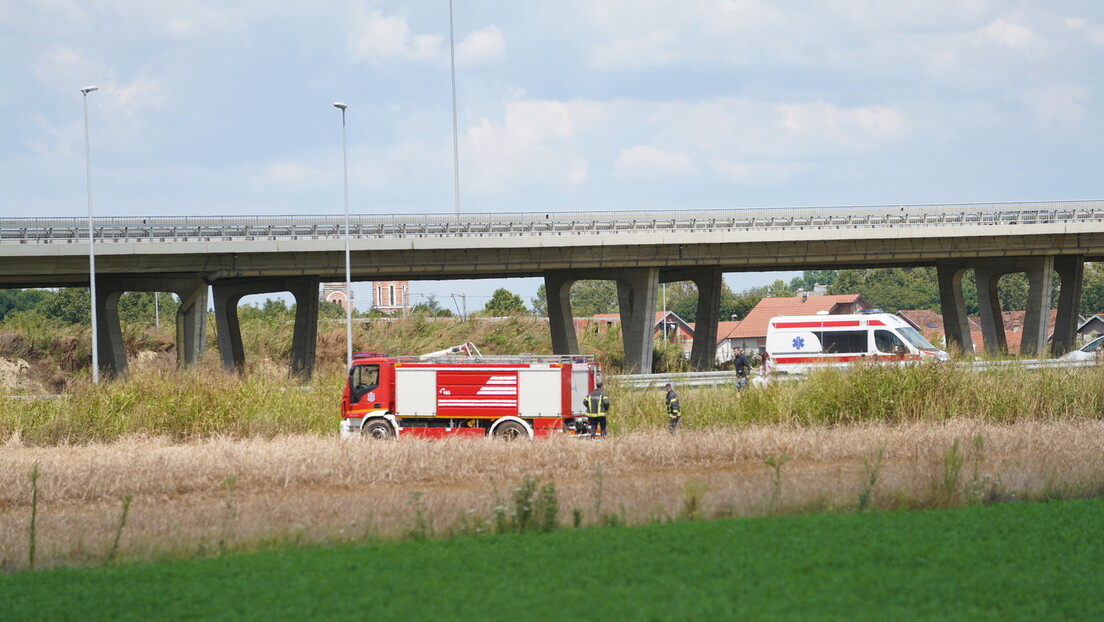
[674, 413]
[597, 404]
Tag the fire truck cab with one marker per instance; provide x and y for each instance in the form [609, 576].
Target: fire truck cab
[502, 396]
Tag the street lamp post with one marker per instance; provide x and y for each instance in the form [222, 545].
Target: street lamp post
[91, 240]
[348, 269]
[455, 138]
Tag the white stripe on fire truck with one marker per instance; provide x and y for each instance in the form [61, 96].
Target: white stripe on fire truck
[458, 402]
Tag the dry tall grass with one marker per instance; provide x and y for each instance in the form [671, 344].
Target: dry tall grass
[219, 494]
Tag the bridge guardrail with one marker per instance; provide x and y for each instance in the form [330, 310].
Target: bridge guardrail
[188, 228]
[717, 378]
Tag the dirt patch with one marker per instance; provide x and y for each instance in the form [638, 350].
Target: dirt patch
[17, 377]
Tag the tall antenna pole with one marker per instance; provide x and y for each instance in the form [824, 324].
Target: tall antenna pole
[455, 131]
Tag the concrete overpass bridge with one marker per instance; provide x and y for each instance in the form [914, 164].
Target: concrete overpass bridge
[231, 257]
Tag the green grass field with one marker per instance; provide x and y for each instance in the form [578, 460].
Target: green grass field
[1002, 562]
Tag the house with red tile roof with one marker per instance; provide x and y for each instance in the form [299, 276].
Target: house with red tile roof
[930, 324]
[751, 333]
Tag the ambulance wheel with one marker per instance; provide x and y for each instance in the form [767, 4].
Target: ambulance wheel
[510, 431]
[378, 429]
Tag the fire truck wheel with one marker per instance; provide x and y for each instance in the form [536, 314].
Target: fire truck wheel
[510, 431]
[377, 429]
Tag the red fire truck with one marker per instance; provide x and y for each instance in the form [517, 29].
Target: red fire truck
[436, 396]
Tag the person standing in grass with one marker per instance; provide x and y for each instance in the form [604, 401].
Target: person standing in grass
[743, 368]
[597, 404]
[674, 413]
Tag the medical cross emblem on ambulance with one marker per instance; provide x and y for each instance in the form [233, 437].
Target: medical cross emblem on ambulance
[798, 343]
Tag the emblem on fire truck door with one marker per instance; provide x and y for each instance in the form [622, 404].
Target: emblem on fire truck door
[371, 396]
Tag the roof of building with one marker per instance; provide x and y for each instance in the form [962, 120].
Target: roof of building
[725, 329]
[755, 323]
[923, 319]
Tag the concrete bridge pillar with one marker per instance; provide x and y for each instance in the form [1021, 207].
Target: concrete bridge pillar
[636, 295]
[1040, 280]
[191, 319]
[304, 342]
[1070, 269]
[987, 273]
[191, 324]
[109, 331]
[227, 295]
[561, 322]
[956, 323]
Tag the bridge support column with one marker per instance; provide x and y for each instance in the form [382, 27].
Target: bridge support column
[636, 296]
[561, 321]
[708, 282]
[987, 274]
[191, 318]
[1040, 280]
[109, 331]
[304, 341]
[956, 324]
[191, 324]
[1070, 269]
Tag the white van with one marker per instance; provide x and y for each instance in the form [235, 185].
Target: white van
[800, 342]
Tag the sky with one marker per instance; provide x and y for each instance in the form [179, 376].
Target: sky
[209, 107]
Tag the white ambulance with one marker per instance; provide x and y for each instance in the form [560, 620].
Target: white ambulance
[798, 343]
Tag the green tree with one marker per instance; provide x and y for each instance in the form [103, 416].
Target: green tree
[682, 298]
[894, 289]
[272, 310]
[738, 305]
[588, 298]
[504, 303]
[140, 308]
[779, 289]
[16, 300]
[540, 302]
[1092, 290]
[811, 278]
[431, 307]
[68, 305]
[331, 310]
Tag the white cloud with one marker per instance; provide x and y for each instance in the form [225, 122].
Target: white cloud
[292, 174]
[536, 144]
[648, 161]
[1011, 34]
[382, 37]
[758, 173]
[1094, 33]
[139, 94]
[851, 130]
[481, 46]
[1059, 106]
